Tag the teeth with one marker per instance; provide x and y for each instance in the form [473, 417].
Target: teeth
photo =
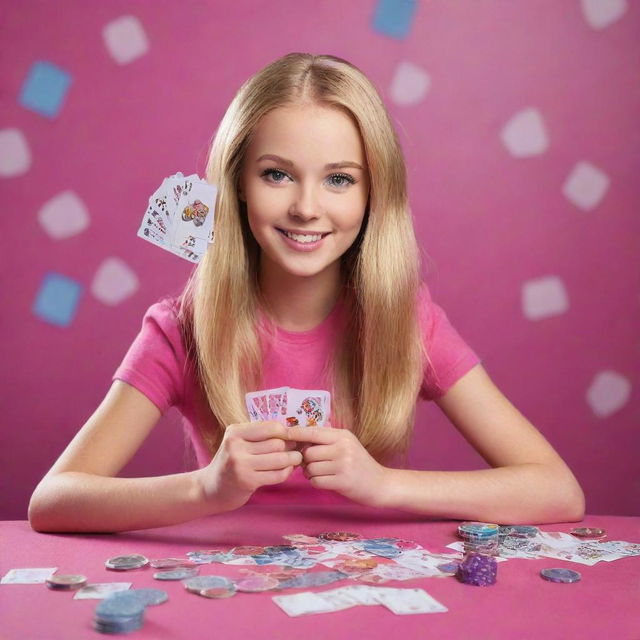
[302, 238]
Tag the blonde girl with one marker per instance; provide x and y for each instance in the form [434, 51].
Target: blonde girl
[313, 282]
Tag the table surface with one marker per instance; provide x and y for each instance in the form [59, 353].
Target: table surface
[520, 605]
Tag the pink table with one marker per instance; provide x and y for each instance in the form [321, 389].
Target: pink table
[606, 603]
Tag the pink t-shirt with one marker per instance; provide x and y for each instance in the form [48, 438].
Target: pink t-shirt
[157, 366]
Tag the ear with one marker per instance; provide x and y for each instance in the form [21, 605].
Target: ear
[240, 191]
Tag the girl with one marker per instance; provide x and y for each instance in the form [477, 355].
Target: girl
[312, 282]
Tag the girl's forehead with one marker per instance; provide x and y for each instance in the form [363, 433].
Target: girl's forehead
[305, 128]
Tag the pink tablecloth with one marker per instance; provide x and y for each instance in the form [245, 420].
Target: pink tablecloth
[605, 603]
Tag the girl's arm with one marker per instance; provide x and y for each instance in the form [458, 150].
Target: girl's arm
[528, 483]
[80, 492]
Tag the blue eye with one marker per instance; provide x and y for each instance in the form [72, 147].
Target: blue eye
[341, 179]
[275, 175]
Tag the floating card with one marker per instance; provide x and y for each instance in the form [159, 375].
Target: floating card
[291, 407]
[179, 216]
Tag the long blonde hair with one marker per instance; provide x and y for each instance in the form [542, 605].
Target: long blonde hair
[377, 364]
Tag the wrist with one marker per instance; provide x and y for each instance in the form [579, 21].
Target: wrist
[386, 497]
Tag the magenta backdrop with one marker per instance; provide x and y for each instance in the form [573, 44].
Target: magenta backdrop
[519, 121]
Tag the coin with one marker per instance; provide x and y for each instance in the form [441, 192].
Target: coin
[149, 596]
[257, 583]
[560, 575]
[592, 533]
[218, 592]
[66, 582]
[124, 563]
[176, 574]
[339, 536]
[197, 584]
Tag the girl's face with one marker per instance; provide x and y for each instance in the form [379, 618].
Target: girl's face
[306, 183]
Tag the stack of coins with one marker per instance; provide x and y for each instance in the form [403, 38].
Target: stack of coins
[210, 586]
[125, 563]
[66, 582]
[479, 566]
[121, 612]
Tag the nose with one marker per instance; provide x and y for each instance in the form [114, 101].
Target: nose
[305, 205]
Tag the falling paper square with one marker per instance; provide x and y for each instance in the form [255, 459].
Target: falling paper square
[410, 84]
[45, 88]
[544, 297]
[585, 186]
[15, 157]
[525, 134]
[63, 216]
[608, 393]
[394, 17]
[601, 13]
[57, 299]
[125, 39]
[114, 282]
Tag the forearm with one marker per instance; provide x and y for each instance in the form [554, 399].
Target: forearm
[526, 493]
[82, 502]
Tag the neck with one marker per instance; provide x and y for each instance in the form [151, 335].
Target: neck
[300, 303]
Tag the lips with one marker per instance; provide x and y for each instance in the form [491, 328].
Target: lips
[303, 240]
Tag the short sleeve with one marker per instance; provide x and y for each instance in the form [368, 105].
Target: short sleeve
[449, 357]
[154, 364]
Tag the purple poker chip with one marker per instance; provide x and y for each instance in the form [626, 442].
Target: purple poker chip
[477, 569]
[560, 575]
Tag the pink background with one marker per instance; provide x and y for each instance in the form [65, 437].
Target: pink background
[488, 221]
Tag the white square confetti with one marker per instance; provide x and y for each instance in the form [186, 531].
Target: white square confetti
[125, 39]
[608, 393]
[544, 297]
[525, 134]
[114, 282]
[63, 216]
[410, 84]
[15, 156]
[586, 186]
[601, 13]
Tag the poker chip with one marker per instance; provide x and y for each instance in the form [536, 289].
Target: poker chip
[149, 597]
[66, 582]
[339, 536]
[257, 583]
[198, 583]
[478, 570]
[176, 574]
[247, 551]
[560, 575]
[589, 533]
[120, 612]
[170, 563]
[125, 563]
[478, 530]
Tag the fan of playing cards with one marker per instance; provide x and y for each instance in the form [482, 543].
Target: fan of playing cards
[180, 215]
[291, 407]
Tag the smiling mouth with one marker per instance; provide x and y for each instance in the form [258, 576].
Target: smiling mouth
[303, 238]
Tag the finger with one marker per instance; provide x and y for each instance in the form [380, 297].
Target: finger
[272, 445]
[317, 452]
[324, 468]
[275, 461]
[315, 435]
[258, 431]
[274, 477]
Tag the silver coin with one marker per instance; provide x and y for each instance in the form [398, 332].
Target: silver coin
[149, 596]
[124, 563]
[176, 574]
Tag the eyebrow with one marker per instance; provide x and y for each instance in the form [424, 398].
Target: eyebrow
[331, 165]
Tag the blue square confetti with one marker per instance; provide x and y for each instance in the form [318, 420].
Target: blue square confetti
[44, 88]
[57, 299]
[394, 17]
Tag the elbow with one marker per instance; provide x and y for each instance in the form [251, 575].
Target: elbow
[570, 501]
[41, 511]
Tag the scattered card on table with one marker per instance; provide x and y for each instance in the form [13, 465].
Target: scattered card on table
[28, 576]
[100, 590]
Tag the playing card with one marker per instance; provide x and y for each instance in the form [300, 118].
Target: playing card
[179, 216]
[100, 590]
[28, 576]
[308, 408]
[409, 601]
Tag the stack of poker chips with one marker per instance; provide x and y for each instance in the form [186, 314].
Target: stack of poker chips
[479, 566]
[121, 612]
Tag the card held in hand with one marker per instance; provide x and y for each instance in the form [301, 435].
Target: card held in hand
[291, 407]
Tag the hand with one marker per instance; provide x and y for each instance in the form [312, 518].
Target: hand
[250, 455]
[336, 460]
